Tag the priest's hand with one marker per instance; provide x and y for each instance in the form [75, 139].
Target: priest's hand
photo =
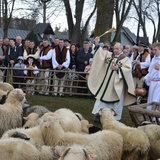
[114, 67]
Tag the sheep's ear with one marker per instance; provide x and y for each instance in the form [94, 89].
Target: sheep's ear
[85, 153]
[21, 95]
[64, 153]
[47, 124]
[100, 112]
[113, 112]
[90, 125]
[25, 118]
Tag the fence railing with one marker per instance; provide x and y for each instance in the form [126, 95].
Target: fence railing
[75, 83]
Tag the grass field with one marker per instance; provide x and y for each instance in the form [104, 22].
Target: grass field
[81, 105]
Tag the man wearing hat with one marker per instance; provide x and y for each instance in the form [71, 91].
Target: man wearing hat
[140, 63]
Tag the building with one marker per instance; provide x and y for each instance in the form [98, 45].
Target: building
[20, 23]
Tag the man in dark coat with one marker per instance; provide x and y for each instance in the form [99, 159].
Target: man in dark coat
[83, 56]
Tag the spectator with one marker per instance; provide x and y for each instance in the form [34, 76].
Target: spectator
[110, 80]
[73, 55]
[152, 79]
[12, 53]
[6, 42]
[19, 45]
[129, 49]
[72, 67]
[141, 61]
[83, 56]
[2, 59]
[31, 50]
[46, 64]
[26, 43]
[105, 48]
[60, 61]
[5, 46]
[55, 43]
[19, 74]
[67, 43]
[30, 74]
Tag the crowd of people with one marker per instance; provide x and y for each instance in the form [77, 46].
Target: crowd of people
[114, 71]
[59, 55]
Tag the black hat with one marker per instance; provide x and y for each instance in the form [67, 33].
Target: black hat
[30, 57]
[142, 44]
[67, 40]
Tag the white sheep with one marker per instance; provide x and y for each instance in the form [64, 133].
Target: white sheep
[31, 120]
[6, 87]
[107, 144]
[68, 120]
[18, 149]
[77, 152]
[33, 133]
[84, 123]
[136, 144]
[11, 111]
[153, 133]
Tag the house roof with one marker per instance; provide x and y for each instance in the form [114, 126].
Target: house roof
[13, 33]
[59, 36]
[127, 37]
[43, 28]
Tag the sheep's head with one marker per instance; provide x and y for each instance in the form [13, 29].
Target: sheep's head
[31, 120]
[16, 95]
[49, 121]
[107, 113]
[75, 152]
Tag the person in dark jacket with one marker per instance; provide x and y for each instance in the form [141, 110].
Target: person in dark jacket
[12, 54]
[83, 56]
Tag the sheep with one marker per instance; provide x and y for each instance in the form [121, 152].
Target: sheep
[68, 120]
[153, 133]
[18, 149]
[6, 86]
[33, 133]
[41, 110]
[76, 152]
[136, 143]
[86, 126]
[31, 120]
[107, 144]
[11, 111]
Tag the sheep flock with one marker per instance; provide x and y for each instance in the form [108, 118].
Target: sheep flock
[35, 133]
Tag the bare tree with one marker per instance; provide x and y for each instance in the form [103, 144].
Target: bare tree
[147, 11]
[122, 8]
[7, 12]
[76, 33]
[153, 14]
[104, 20]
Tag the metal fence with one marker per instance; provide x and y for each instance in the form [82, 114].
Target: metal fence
[72, 86]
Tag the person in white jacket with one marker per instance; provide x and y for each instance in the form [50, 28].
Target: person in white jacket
[60, 60]
[152, 79]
